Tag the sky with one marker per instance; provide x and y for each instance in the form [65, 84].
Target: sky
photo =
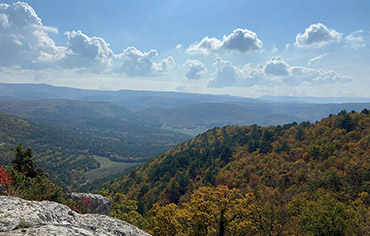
[237, 47]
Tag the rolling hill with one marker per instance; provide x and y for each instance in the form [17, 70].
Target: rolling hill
[112, 129]
[180, 112]
[299, 179]
[66, 151]
[53, 147]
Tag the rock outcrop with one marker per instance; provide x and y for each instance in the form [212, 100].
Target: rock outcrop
[96, 203]
[22, 217]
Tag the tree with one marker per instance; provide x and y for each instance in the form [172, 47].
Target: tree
[5, 180]
[164, 220]
[219, 211]
[325, 216]
[346, 122]
[23, 161]
[126, 210]
[30, 183]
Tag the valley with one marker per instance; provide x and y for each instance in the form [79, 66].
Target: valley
[236, 160]
[185, 118]
[66, 125]
[107, 168]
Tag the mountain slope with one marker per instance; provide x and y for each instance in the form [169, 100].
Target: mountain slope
[284, 166]
[54, 148]
[67, 151]
[113, 131]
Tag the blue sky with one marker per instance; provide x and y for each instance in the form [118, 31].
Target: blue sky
[244, 48]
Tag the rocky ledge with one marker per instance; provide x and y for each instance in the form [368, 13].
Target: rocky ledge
[22, 217]
[97, 203]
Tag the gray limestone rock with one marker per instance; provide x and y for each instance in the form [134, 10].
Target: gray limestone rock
[99, 204]
[22, 217]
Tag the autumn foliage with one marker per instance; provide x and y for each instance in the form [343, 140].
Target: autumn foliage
[295, 179]
[5, 180]
[24, 180]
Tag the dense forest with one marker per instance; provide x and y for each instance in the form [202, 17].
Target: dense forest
[104, 129]
[66, 153]
[62, 161]
[23, 179]
[295, 179]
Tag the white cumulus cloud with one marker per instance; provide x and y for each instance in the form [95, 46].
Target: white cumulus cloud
[355, 40]
[228, 75]
[134, 62]
[24, 39]
[240, 40]
[317, 35]
[273, 72]
[276, 67]
[27, 45]
[315, 59]
[205, 46]
[195, 69]
[90, 53]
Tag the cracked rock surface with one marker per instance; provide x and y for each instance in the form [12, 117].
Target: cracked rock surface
[99, 204]
[51, 218]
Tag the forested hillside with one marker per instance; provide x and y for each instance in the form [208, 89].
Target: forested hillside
[208, 115]
[295, 179]
[155, 109]
[66, 152]
[56, 148]
[111, 130]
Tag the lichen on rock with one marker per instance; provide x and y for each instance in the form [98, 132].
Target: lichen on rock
[51, 218]
[95, 203]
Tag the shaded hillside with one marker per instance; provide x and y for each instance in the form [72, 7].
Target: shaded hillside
[209, 115]
[112, 130]
[55, 148]
[66, 153]
[55, 110]
[198, 118]
[191, 116]
[296, 177]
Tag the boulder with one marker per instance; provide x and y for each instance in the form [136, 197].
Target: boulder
[95, 203]
[22, 217]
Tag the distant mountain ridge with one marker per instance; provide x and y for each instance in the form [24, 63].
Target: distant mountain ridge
[128, 98]
[186, 113]
[133, 98]
[296, 99]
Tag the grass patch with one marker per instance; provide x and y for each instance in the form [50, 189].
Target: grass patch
[107, 168]
[23, 224]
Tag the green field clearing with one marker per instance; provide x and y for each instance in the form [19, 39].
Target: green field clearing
[107, 168]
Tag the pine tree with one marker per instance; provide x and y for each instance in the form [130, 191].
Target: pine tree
[23, 161]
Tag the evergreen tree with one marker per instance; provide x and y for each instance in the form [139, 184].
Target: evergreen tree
[23, 161]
